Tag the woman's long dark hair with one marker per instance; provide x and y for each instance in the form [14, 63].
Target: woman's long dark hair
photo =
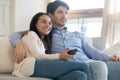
[46, 40]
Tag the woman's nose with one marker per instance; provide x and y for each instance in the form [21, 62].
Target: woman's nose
[47, 25]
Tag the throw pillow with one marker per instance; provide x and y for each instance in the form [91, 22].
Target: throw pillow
[115, 49]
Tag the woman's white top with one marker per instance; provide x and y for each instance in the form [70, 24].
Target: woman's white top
[35, 50]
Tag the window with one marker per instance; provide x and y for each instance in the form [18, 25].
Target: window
[85, 16]
[88, 26]
[4, 18]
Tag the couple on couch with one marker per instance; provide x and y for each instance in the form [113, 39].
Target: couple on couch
[48, 34]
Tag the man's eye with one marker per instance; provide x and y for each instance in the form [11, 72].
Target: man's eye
[60, 12]
[66, 12]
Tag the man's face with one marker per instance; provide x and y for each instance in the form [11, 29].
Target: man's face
[60, 17]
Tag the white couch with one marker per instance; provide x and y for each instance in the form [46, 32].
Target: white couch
[6, 62]
[6, 58]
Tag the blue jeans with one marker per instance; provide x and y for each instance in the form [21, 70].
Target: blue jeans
[62, 70]
[108, 71]
[113, 70]
[99, 70]
[73, 75]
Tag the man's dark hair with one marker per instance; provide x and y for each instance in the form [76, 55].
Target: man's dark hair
[52, 6]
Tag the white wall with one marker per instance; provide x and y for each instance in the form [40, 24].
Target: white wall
[15, 15]
[25, 10]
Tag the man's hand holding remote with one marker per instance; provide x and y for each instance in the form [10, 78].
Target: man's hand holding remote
[72, 52]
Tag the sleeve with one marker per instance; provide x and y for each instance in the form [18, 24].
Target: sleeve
[92, 52]
[15, 37]
[36, 48]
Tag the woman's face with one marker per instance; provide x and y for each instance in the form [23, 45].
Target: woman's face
[44, 25]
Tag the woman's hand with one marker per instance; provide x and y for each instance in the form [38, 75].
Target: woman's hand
[115, 57]
[65, 56]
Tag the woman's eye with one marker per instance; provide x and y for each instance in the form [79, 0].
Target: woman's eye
[43, 22]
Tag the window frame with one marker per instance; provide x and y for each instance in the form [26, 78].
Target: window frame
[85, 13]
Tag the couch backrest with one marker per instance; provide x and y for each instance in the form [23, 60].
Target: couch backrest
[6, 56]
[99, 42]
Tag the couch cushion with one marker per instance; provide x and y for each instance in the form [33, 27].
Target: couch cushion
[11, 77]
[6, 56]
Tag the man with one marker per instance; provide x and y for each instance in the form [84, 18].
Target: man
[63, 39]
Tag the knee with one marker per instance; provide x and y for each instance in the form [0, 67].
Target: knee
[84, 64]
[99, 70]
[100, 65]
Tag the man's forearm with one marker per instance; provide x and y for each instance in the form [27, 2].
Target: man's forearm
[16, 37]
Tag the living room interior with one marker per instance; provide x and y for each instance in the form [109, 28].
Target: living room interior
[99, 20]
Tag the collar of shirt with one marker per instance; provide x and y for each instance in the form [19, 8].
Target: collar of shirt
[55, 28]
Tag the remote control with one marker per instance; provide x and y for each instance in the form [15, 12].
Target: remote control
[72, 52]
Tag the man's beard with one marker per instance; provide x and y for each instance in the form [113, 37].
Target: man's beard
[58, 24]
[62, 25]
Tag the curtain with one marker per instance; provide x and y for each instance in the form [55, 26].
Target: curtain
[48, 1]
[111, 21]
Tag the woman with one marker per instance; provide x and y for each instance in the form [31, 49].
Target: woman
[39, 64]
